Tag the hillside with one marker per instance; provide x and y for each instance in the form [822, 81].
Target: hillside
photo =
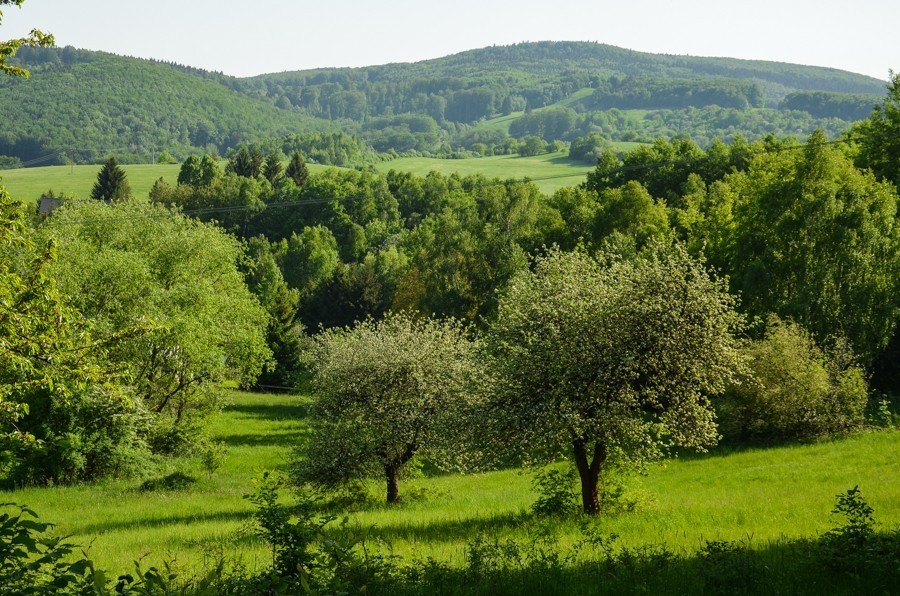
[84, 105]
[81, 105]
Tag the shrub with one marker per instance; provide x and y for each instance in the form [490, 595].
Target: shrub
[92, 434]
[33, 563]
[556, 492]
[794, 389]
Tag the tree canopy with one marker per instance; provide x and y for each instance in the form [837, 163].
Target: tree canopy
[818, 241]
[610, 361]
[128, 262]
[387, 391]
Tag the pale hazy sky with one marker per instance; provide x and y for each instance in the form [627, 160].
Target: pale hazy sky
[246, 38]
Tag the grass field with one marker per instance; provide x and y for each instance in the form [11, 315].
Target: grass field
[28, 184]
[765, 494]
[550, 172]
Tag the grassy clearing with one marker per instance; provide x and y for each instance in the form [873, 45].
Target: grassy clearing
[762, 495]
[28, 184]
[551, 171]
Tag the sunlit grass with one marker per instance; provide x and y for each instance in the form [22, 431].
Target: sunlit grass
[29, 184]
[760, 494]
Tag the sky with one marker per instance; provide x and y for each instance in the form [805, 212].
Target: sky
[248, 38]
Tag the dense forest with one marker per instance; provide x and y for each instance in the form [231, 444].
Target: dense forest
[136, 109]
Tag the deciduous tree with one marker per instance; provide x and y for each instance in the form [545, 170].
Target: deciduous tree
[387, 391]
[9, 48]
[127, 262]
[818, 241]
[610, 361]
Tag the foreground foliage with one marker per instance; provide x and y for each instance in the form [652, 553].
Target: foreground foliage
[309, 556]
[62, 418]
[130, 263]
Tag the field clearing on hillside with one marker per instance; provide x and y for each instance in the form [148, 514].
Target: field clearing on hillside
[28, 184]
[550, 172]
[766, 494]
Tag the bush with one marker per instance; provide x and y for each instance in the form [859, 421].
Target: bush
[33, 563]
[92, 434]
[794, 390]
[556, 492]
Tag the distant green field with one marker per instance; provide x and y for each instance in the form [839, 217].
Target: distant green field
[550, 172]
[28, 184]
[768, 494]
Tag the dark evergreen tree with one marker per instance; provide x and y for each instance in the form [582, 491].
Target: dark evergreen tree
[272, 169]
[242, 164]
[256, 162]
[297, 170]
[190, 171]
[112, 184]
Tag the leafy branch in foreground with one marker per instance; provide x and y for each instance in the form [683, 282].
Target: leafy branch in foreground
[9, 48]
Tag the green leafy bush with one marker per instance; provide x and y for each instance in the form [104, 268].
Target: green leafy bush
[794, 390]
[556, 492]
[91, 434]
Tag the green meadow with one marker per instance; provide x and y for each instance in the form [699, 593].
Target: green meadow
[758, 495]
[29, 184]
[550, 172]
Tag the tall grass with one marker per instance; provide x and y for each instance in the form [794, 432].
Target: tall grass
[758, 495]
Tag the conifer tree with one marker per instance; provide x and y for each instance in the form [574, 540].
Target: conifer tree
[247, 164]
[297, 170]
[272, 169]
[112, 184]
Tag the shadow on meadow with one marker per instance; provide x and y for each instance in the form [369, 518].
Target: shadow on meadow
[135, 522]
[269, 411]
[449, 530]
[804, 566]
[269, 439]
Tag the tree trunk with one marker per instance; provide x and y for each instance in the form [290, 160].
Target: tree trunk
[392, 474]
[392, 471]
[589, 472]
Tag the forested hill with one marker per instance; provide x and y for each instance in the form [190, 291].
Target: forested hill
[543, 72]
[84, 105]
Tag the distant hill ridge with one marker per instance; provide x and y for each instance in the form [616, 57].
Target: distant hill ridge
[83, 105]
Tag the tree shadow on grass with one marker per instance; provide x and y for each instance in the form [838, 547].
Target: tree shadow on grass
[450, 530]
[272, 412]
[797, 566]
[271, 439]
[567, 161]
[162, 522]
